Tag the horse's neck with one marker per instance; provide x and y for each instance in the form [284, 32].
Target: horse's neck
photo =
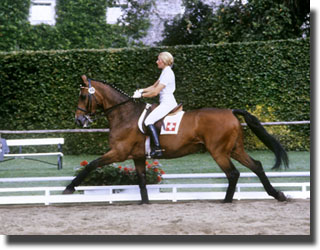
[122, 115]
[126, 115]
[111, 97]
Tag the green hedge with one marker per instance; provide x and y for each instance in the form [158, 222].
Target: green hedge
[39, 90]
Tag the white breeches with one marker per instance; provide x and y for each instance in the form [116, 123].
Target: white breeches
[159, 112]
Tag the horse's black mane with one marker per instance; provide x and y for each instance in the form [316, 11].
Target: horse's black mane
[115, 88]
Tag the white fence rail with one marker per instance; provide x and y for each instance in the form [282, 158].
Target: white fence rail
[106, 130]
[164, 192]
[165, 176]
[107, 194]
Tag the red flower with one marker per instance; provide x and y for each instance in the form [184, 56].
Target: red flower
[147, 163]
[158, 178]
[155, 170]
[120, 167]
[149, 166]
[83, 163]
[126, 169]
[162, 172]
[155, 163]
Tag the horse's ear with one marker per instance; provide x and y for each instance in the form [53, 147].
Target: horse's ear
[85, 80]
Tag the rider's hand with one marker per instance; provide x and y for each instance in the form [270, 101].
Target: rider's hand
[137, 93]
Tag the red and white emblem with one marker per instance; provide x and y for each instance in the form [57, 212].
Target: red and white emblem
[171, 126]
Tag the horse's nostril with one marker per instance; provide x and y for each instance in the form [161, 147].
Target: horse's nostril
[83, 121]
[79, 120]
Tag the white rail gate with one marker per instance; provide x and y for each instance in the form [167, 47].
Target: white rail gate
[159, 192]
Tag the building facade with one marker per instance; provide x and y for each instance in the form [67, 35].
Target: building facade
[43, 11]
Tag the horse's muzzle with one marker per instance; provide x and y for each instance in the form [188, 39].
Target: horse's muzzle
[83, 120]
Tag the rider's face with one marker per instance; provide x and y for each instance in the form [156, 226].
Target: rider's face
[160, 64]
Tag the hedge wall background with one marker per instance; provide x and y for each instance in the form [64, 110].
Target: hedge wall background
[39, 90]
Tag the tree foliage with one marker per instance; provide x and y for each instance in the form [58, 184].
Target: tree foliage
[135, 19]
[82, 24]
[13, 22]
[235, 21]
[189, 28]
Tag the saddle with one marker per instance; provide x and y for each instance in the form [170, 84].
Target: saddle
[149, 108]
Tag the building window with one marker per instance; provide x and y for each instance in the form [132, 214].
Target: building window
[42, 11]
[116, 11]
[113, 13]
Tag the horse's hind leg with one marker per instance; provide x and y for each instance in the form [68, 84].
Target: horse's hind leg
[141, 173]
[255, 166]
[221, 154]
[224, 162]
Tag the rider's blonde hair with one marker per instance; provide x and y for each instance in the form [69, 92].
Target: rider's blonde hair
[166, 58]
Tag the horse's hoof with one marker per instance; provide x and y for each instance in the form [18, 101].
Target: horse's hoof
[281, 196]
[226, 201]
[68, 191]
[144, 202]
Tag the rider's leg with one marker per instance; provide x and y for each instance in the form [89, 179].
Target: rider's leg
[158, 113]
[156, 150]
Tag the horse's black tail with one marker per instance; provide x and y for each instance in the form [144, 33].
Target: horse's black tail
[268, 140]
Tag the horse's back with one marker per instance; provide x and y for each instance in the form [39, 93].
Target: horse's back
[208, 122]
[213, 117]
[207, 127]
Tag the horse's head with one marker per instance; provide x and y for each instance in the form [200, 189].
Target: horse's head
[94, 94]
[88, 102]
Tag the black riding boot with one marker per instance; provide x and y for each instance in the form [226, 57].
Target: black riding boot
[156, 150]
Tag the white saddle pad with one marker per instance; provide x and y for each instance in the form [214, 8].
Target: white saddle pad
[171, 124]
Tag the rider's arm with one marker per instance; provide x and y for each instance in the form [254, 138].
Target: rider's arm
[151, 87]
[153, 90]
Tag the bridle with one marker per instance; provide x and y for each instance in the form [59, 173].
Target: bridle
[88, 114]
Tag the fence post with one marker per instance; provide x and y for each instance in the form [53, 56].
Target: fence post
[304, 190]
[174, 192]
[47, 197]
[110, 195]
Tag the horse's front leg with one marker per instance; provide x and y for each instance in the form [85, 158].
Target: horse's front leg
[142, 179]
[106, 159]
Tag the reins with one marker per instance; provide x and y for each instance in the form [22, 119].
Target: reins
[109, 110]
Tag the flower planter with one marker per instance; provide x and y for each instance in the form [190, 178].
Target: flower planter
[120, 176]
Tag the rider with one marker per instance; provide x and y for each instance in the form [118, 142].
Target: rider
[164, 86]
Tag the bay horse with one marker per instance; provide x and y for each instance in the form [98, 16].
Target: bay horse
[217, 130]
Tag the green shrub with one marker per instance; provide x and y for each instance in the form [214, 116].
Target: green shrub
[39, 90]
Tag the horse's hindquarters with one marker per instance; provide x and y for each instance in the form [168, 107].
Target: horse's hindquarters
[201, 129]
